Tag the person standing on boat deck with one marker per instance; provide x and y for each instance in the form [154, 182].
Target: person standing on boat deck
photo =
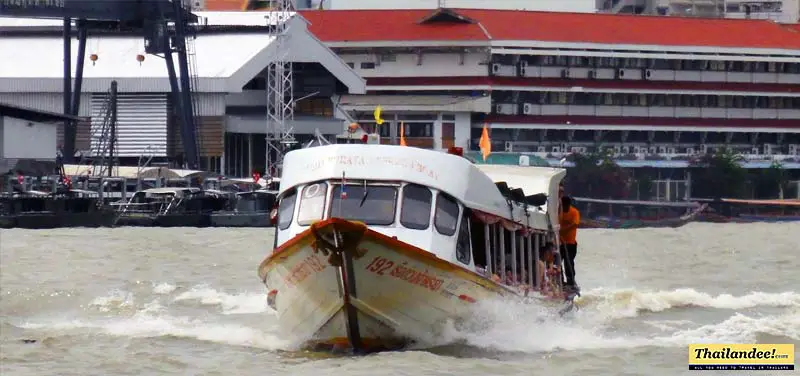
[569, 219]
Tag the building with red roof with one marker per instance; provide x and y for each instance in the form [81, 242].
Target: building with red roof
[554, 83]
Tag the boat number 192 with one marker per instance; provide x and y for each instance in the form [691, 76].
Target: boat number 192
[380, 265]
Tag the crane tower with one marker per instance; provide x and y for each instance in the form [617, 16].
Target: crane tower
[280, 92]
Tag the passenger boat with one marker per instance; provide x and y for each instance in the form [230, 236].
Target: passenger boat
[629, 214]
[378, 246]
[246, 209]
[728, 210]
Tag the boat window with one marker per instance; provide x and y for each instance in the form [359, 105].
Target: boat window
[374, 206]
[416, 210]
[463, 251]
[312, 203]
[446, 217]
[286, 210]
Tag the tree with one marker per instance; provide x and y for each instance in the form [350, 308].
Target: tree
[596, 175]
[770, 182]
[718, 175]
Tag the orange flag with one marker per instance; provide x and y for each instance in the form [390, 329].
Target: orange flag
[485, 143]
[402, 135]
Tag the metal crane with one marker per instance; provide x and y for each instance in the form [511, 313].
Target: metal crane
[163, 24]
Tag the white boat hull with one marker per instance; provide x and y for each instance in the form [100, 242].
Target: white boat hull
[366, 291]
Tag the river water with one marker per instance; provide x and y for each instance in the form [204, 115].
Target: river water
[142, 301]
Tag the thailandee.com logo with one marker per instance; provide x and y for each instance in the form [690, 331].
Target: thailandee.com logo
[754, 357]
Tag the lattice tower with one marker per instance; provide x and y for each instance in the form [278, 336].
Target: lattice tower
[280, 92]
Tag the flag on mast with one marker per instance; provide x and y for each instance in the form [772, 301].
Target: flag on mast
[402, 135]
[485, 143]
[343, 195]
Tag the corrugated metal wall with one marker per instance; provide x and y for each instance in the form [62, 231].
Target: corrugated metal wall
[210, 136]
[141, 123]
[81, 138]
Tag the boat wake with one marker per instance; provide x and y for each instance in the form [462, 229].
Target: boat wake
[606, 319]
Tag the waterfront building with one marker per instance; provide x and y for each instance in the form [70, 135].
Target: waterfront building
[228, 59]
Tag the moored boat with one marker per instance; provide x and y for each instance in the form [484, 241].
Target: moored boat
[246, 209]
[377, 246]
[629, 214]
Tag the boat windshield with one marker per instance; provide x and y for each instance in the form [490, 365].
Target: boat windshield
[373, 205]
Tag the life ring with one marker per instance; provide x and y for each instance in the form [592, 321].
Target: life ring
[312, 190]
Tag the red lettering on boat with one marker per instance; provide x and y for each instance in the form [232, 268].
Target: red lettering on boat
[304, 269]
[381, 265]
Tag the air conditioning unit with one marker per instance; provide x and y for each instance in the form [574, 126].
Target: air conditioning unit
[626, 149]
[565, 73]
[524, 160]
[374, 138]
[523, 65]
[754, 151]
[509, 146]
[506, 109]
[528, 109]
[653, 150]
[592, 74]
[662, 150]
[636, 150]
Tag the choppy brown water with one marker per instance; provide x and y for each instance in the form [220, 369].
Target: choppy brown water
[136, 301]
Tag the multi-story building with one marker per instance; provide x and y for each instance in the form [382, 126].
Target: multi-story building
[785, 11]
[654, 91]
[554, 83]
[230, 56]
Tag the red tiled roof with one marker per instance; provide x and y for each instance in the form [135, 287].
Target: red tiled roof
[383, 25]
[402, 25]
[470, 82]
[577, 121]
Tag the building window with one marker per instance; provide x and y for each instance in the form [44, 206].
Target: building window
[373, 205]
[312, 203]
[415, 212]
[286, 210]
[418, 129]
[463, 251]
[351, 65]
[446, 218]
[367, 65]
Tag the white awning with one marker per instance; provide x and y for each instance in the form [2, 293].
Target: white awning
[444, 103]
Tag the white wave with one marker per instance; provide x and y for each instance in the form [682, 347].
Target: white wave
[738, 328]
[146, 325]
[629, 302]
[242, 303]
[517, 327]
[163, 288]
[116, 300]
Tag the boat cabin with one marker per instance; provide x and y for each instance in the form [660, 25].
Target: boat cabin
[439, 202]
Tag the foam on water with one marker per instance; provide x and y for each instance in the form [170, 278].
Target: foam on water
[505, 326]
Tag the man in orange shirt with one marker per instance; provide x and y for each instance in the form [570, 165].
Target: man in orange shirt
[569, 220]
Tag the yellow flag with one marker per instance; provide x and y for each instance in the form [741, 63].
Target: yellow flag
[402, 135]
[377, 115]
[485, 143]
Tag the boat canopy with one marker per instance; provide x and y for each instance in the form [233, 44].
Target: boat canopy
[452, 174]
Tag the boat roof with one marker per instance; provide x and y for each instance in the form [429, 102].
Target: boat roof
[166, 190]
[453, 174]
[676, 204]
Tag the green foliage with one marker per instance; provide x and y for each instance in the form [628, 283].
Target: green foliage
[769, 182]
[596, 175]
[719, 175]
